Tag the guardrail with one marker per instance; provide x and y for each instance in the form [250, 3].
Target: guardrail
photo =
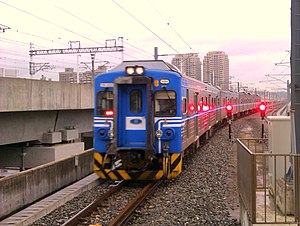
[268, 191]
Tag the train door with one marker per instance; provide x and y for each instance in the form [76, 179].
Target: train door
[132, 117]
[218, 109]
[196, 110]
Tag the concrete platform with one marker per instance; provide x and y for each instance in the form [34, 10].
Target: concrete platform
[45, 206]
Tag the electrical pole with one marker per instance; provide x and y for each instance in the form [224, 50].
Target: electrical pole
[93, 64]
[155, 53]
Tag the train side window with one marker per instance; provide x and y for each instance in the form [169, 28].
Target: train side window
[136, 101]
[104, 102]
[165, 103]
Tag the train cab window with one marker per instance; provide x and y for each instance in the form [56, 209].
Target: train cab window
[104, 102]
[136, 101]
[165, 103]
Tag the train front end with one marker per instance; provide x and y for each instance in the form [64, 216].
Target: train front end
[133, 137]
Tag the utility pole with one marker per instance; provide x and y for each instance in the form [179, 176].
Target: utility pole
[93, 64]
[122, 44]
[155, 53]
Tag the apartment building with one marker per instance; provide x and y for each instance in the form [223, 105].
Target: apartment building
[216, 69]
[189, 64]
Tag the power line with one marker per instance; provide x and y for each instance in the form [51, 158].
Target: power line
[144, 26]
[169, 24]
[49, 22]
[97, 28]
[14, 41]
[36, 36]
[181, 37]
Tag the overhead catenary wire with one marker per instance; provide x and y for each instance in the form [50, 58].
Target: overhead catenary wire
[172, 28]
[49, 22]
[140, 22]
[97, 28]
[38, 36]
[269, 76]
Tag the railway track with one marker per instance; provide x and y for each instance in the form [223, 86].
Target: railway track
[87, 214]
[199, 192]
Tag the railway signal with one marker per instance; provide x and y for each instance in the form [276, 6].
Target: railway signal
[229, 109]
[262, 108]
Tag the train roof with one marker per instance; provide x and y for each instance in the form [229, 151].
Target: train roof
[149, 64]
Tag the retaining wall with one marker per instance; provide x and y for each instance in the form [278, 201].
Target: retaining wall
[22, 189]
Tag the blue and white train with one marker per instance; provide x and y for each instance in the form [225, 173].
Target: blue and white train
[147, 113]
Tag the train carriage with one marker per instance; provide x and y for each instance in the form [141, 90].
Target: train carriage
[138, 122]
[146, 115]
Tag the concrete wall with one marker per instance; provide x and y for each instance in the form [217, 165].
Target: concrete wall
[17, 127]
[19, 94]
[28, 186]
[36, 156]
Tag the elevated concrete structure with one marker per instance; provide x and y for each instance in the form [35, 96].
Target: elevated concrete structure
[30, 108]
[19, 94]
[34, 156]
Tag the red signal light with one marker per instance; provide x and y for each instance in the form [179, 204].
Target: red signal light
[108, 112]
[262, 107]
[229, 107]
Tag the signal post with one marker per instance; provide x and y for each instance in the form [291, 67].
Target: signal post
[229, 109]
[262, 109]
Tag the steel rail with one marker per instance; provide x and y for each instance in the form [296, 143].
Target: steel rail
[85, 212]
[126, 214]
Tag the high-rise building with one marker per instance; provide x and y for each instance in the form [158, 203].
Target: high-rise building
[69, 75]
[216, 69]
[189, 64]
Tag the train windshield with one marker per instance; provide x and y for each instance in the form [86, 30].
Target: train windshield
[165, 103]
[104, 102]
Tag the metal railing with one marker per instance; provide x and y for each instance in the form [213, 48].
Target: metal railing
[269, 191]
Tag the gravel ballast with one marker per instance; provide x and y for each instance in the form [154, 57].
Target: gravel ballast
[204, 194]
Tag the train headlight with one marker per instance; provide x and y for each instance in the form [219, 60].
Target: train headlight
[110, 134]
[129, 70]
[158, 133]
[134, 70]
[139, 70]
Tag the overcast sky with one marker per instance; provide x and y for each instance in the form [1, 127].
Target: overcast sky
[254, 33]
